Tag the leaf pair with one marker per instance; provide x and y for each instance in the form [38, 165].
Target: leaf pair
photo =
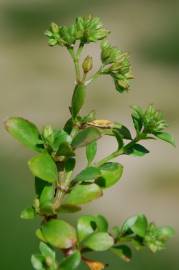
[91, 233]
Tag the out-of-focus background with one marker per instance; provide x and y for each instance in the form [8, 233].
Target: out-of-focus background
[36, 82]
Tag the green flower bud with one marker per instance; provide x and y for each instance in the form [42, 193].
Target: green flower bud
[54, 27]
[87, 64]
[48, 131]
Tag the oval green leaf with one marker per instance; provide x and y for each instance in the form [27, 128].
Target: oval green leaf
[167, 137]
[91, 150]
[59, 233]
[137, 150]
[137, 224]
[46, 251]
[78, 99]
[44, 167]
[99, 241]
[111, 172]
[89, 224]
[71, 262]
[86, 136]
[89, 173]
[28, 213]
[25, 132]
[46, 199]
[82, 194]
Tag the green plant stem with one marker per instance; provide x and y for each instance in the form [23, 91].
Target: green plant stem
[111, 156]
[62, 189]
[76, 57]
[118, 153]
[94, 77]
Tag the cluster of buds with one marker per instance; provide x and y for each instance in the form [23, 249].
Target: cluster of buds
[117, 65]
[149, 121]
[85, 29]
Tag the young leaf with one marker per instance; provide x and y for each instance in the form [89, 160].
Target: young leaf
[39, 235]
[124, 131]
[99, 241]
[123, 251]
[91, 150]
[82, 194]
[137, 117]
[88, 224]
[86, 136]
[60, 137]
[37, 262]
[71, 262]
[137, 224]
[59, 233]
[46, 198]
[68, 125]
[89, 173]
[111, 172]
[39, 186]
[46, 251]
[28, 213]
[167, 137]
[78, 99]
[65, 149]
[25, 132]
[137, 150]
[44, 167]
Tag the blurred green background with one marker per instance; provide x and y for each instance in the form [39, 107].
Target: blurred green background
[37, 83]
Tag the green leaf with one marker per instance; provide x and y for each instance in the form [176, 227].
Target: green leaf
[89, 224]
[25, 132]
[67, 208]
[46, 199]
[86, 136]
[65, 149]
[137, 224]
[99, 241]
[89, 173]
[91, 150]
[111, 172]
[46, 251]
[60, 137]
[71, 262]
[59, 233]
[137, 117]
[119, 138]
[44, 167]
[37, 262]
[167, 137]
[68, 125]
[137, 150]
[70, 164]
[124, 131]
[78, 99]
[123, 251]
[82, 194]
[28, 213]
[39, 235]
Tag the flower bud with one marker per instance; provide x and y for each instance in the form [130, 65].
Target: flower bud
[54, 27]
[47, 132]
[87, 64]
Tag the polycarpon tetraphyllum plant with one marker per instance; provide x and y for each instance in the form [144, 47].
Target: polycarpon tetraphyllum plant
[58, 190]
